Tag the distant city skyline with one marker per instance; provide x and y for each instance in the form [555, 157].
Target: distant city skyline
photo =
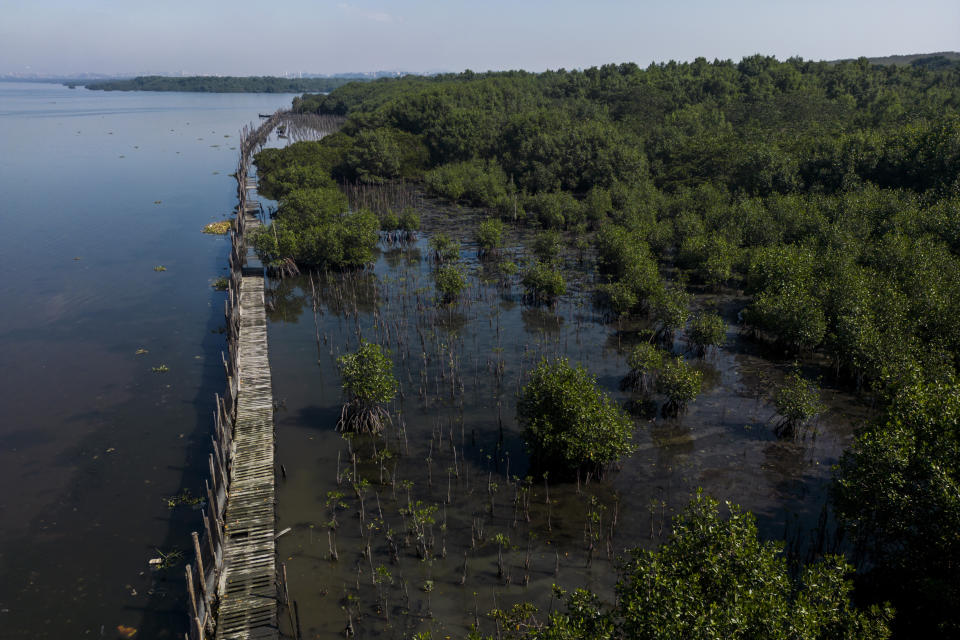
[248, 37]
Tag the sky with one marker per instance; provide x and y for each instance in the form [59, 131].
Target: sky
[274, 37]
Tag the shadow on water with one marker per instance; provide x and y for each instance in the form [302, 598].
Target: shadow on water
[165, 613]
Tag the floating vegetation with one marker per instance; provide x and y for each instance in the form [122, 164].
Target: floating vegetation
[166, 560]
[159, 267]
[184, 498]
[221, 283]
[217, 228]
[161, 369]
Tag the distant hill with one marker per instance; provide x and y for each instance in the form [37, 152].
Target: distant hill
[939, 60]
[223, 84]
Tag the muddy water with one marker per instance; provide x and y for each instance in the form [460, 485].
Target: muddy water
[446, 487]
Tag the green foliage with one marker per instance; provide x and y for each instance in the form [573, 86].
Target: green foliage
[798, 403]
[620, 297]
[480, 183]
[543, 284]
[368, 374]
[625, 258]
[569, 424]
[547, 245]
[444, 248]
[707, 330]
[680, 382]
[896, 494]
[645, 361]
[409, 220]
[450, 282]
[715, 579]
[791, 315]
[710, 256]
[671, 308]
[375, 156]
[389, 221]
[368, 382]
[321, 240]
[553, 210]
[490, 236]
[508, 268]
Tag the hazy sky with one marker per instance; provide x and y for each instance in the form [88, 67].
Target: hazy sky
[246, 37]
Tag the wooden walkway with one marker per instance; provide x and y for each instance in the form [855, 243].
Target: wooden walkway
[248, 583]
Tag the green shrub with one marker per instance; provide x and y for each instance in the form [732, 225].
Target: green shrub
[320, 240]
[389, 222]
[570, 425]
[671, 310]
[450, 282]
[792, 315]
[680, 382]
[645, 361]
[553, 210]
[444, 248]
[368, 382]
[409, 222]
[619, 297]
[710, 256]
[508, 267]
[707, 330]
[478, 182]
[543, 284]
[546, 245]
[798, 403]
[490, 236]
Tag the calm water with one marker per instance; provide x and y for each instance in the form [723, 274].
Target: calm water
[98, 189]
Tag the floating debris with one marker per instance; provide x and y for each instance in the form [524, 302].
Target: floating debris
[218, 228]
[125, 631]
[159, 267]
[157, 201]
[161, 369]
[221, 284]
[185, 497]
[166, 560]
[140, 351]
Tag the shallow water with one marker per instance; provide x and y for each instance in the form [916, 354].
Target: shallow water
[455, 445]
[98, 189]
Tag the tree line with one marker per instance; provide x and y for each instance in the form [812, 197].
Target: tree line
[219, 84]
